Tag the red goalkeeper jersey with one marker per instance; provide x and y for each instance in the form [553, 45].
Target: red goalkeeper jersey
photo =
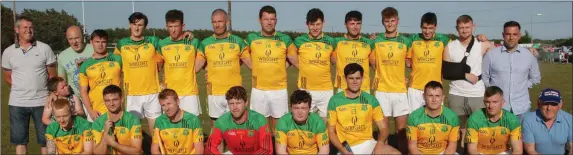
[251, 137]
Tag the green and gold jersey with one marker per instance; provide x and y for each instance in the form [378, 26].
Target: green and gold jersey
[493, 137]
[269, 56]
[353, 117]
[140, 58]
[390, 56]
[223, 57]
[70, 141]
[426, 58]
[126, 128]
[314, 62]
[179, 64]
[433, 133]
[178, 137]
[301, 139]
[353, 51]
[98, 74]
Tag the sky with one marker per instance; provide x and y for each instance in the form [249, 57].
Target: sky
[489, 17]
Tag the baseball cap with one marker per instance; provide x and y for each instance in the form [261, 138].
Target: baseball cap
[550, 96]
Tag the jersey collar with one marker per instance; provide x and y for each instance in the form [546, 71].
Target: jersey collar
[441, 112]
[226, 35]
[359, 94]
[346, 36]
[274, 34]
[319, 36]
[386, 37]
[120, 116]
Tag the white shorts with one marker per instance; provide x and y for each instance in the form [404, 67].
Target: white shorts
[366, 147]
[190, 104]
[269, 102]
[415, 99]
[144, 106]
[217, 105]
[320, 100]
[393, 104]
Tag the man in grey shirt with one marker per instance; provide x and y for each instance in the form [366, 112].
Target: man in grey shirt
[27, 64]
[69, 60]
[512, 68]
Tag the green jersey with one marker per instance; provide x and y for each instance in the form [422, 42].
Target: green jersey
[178, 137]
[492, 137]
[126, 128]
[301, 139]
[70, 141]
[433, 133]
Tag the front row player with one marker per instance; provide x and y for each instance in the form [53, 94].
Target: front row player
[176, 131]
[243, 131]
[300, 131]
[69, 134]
[492, 128]
[350, 116]
[116, 131]
[433, 128]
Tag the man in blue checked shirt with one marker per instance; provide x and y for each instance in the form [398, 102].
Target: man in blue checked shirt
[548, 130]
[512, 68]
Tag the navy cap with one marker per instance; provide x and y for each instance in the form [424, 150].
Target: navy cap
[550, 95]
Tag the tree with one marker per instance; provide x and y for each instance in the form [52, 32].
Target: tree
[50, 26]
[7, 28]
[525, 39]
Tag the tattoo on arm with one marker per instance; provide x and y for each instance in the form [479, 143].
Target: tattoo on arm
[51, 147]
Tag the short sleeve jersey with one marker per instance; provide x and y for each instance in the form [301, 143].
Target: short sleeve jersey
[353, 51]
[301, 139]
[178, 137]
[314, 62]
[70, 141]
[140, 58]
[353, 117]
[433, 133]
[492, 137]
[426, 58]
[390, 56]
[179, 65]
[98, 74]
[223, 62]
[126, 128]
[269, 56]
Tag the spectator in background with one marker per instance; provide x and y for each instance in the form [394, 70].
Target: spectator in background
[548, 130]
[512, 68]
[70, 59]
[27, 65]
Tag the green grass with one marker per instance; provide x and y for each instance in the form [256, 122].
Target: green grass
[557, 76]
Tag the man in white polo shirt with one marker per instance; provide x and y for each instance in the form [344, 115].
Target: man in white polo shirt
[27, 65]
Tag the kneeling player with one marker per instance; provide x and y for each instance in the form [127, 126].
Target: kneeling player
[350, 116]
[116, 131]
[176, 131]
[244, 131]
[300, 131]
[433, 129]
[69, 134]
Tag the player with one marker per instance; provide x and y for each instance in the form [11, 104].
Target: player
[492, 128]
[242, 131]
[69, 134]
[300, 131]
[352, 48]
[223, 53]
[116, 131]
[314, 52]
[350, 117]
[433, 129]
[425, 59]
[389, 61]
[176, 131]
[179, 55]
[140, 59]
[96, 73]
[269, 51]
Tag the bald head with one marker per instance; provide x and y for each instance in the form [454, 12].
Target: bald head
[75, 38]
[219, 12]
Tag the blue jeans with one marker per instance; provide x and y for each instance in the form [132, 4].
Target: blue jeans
[20, 124]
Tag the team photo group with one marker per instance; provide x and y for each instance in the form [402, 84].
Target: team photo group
[90, 100]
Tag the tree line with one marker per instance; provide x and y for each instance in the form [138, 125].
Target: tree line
[51, 26]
